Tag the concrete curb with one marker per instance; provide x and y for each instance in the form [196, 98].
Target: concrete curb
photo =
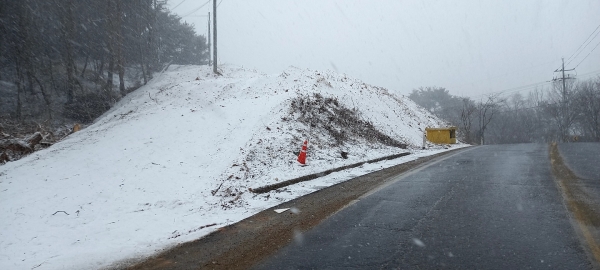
[313, 176]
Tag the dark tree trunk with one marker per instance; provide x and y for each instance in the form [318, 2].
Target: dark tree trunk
[87, 56]
[19, 112]
[144, 73]
[45, 96]
[68, 36]
[109, 78]
[118, 31]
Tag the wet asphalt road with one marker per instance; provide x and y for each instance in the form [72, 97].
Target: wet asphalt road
[490, 207]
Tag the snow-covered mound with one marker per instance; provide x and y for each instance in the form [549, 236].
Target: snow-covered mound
[174, 161]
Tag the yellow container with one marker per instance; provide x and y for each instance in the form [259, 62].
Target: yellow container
[445, 135]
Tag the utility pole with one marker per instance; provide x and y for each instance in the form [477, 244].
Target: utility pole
[209, 49]
[215, 37]
[564, 80]
[564, 113]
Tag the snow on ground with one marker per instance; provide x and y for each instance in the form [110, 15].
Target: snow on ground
[174, 160]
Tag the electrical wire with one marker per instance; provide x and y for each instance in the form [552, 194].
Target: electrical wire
[196, 9]
[583, 42]
[589, 74]
[587, 55]
[514, 89]
[586, 44]
[519, 89]
[513, 71]
[178, 5]
[531, 86]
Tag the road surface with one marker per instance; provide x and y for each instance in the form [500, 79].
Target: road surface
[490, 207]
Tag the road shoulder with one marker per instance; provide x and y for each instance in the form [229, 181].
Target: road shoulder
[584, 216]
[241, 245]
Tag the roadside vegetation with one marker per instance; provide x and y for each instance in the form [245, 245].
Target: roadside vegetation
[67, 62]
[542, 115]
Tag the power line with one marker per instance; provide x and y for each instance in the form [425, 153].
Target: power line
[219, 3]
[196, 9]
[583, 42]
[514, 89]
[586, 42]
[584, 48]
[527, 108]
[530, 86]
[518, 89]
[516, 71]
[589, 74]
[587, 55]
[178, 5]
[506, 74]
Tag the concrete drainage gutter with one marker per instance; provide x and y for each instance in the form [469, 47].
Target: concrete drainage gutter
[313, 176]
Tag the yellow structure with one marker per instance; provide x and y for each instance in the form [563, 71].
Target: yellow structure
[446, 135]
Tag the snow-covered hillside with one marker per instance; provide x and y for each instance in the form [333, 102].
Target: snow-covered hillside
[175, 159]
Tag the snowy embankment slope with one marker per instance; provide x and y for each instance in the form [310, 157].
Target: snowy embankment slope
[174, 161]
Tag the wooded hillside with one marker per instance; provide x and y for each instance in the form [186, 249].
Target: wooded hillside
[64, 60]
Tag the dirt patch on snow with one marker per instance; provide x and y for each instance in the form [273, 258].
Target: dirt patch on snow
[338, 123]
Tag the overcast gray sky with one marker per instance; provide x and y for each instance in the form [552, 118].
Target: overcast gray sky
[470, 47]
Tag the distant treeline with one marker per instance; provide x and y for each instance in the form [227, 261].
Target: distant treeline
[72, 59]
[549, 114]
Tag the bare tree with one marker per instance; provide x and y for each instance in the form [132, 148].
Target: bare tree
[467, 115]
[118, 28]
[68, 31]
[587, 102]
[486, 111]
[562, 109]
